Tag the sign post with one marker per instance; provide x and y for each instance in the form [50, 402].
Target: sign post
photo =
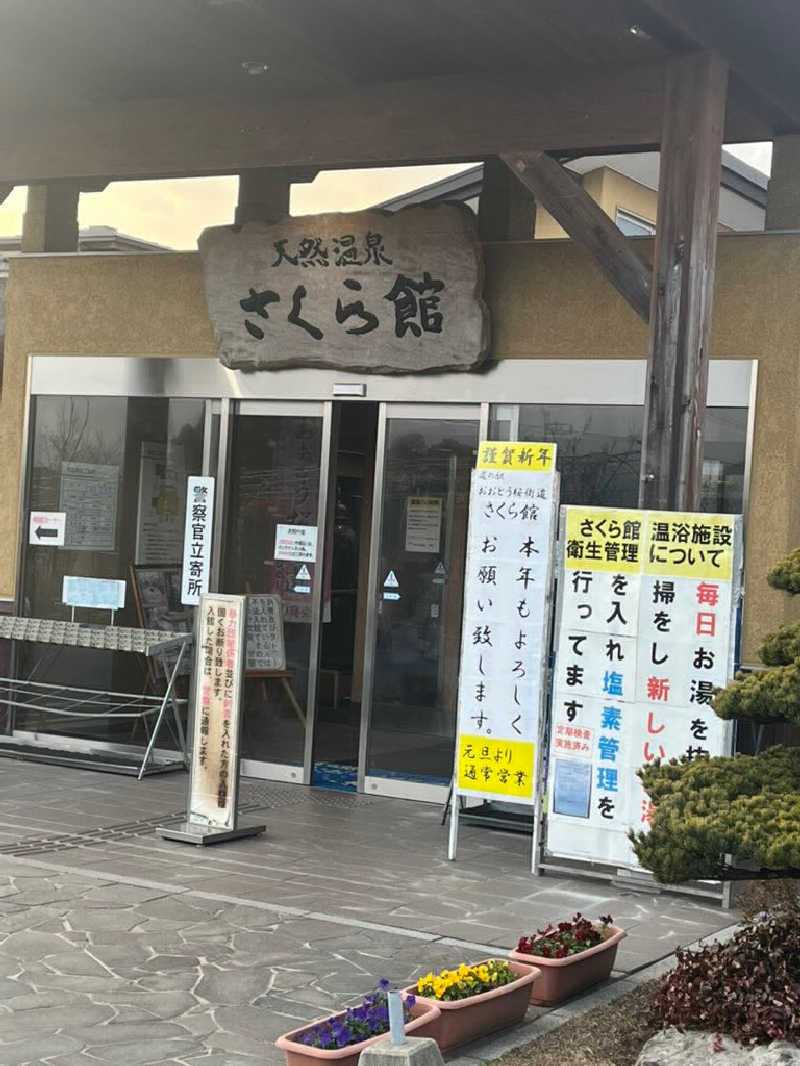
[505, 630]
[646, 632]
[215, 707]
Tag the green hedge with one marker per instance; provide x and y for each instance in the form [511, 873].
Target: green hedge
[747, 806]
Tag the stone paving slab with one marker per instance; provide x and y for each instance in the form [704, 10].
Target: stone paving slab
[131, 949]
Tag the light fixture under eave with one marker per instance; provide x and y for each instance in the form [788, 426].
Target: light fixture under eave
[254, 67]
[637, 31]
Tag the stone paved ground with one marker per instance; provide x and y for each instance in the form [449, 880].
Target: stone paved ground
[119, 947]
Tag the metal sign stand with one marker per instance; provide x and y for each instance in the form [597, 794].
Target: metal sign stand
[212, 800]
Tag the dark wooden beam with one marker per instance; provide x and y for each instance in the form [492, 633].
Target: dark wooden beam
[713, 26]
[683, 283]
[506, 209]
[446, 119]
[586, 222]
[95, 185]
[783, 191]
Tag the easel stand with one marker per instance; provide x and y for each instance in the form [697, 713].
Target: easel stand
[284, 676]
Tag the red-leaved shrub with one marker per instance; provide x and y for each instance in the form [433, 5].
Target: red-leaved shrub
[748, 988]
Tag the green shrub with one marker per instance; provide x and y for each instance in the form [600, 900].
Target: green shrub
[747, 806]
[782, 646]
[768, 696]
[786, 573]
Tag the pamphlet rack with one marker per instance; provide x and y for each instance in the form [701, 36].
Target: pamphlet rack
[72, 702]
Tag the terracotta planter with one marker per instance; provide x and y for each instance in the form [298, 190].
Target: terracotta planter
[466, 1019]
[562, 978]
[423, 1018]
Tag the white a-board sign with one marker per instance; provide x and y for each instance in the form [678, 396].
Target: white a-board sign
[646, 624]
[215, 708]
[505, 627]
[197, 538]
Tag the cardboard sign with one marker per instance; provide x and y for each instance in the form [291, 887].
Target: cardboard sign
[265, 643]
[647, 609]
[506, 611]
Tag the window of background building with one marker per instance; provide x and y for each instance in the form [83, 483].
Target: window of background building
[634, 225]
[600, 448]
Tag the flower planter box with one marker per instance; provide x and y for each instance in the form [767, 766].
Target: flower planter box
[423, 1018]
[463, 1020]
[562, 978]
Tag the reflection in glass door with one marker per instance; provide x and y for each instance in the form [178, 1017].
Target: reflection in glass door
[425, 456]
[277, 488]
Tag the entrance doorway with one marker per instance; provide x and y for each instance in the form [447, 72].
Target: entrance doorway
[373, 626]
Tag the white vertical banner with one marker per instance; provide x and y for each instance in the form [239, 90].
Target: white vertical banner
[197, 538]
[646, 632]
[505, 622]
[218, 677]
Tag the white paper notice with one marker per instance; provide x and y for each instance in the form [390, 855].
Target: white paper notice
[88, 496]
[296, 544]
[423, 523]
[47, 528]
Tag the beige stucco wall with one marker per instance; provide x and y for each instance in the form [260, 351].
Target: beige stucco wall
[547, 301]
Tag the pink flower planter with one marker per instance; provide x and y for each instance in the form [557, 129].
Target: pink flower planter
[562, 978]
[463, 1020]
[423, 1018]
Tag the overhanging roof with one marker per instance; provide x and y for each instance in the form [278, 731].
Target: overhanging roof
[152, 88]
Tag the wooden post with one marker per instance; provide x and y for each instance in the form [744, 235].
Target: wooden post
[506, 210]
[783, 192]
[683, 283]
[50, 222]
[264, 192]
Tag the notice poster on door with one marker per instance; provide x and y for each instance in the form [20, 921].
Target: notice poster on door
[647, 613]
[296, 544]
[162, 483]
[423, 523]
[513, 500]
[88, 497]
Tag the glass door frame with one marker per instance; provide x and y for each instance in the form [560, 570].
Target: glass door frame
[479, 412]
[323, 409]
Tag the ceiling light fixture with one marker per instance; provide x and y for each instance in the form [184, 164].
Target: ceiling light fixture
[254, 66]
[637, 31]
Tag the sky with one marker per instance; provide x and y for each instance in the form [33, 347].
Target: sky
[174, 213]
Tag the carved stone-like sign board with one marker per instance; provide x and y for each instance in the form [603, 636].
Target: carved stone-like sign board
[367, 292]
